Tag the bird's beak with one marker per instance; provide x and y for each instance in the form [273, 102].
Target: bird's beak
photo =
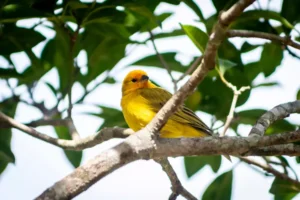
[144, 78]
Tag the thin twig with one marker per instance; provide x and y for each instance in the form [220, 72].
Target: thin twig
[47, 122]
[72, 129]
[79, 144]
[268, 36]
[190, 70]
[87, 92]
[271, 170]
[269, 162]
[236, 94]
[71, 126]
[162, 60]
[73, 39]
[177, 188]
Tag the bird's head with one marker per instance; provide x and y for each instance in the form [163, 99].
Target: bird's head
[134, 80]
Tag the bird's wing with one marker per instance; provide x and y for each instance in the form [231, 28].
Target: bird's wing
[157, 97]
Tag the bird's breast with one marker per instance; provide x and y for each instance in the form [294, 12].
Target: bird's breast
[137, 112]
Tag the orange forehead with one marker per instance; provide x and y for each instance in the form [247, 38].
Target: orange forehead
[135, 74]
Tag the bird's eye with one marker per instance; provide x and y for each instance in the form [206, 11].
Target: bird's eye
[134, 80]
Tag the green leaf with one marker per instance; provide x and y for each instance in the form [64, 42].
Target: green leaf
[250, 116]
[51, 87]
[268, 84]
[112, 117]
[220, 188]
[252, 70]
[290, 10]
[15, 12]
[195, 8]
[283, 189]
[153, 61]
[223, 5]
[9, 73]
[224, 65]
[216, 101]
[103, 54]
[247, 16]
[15, 39]
[109, 30]
[229, 52]
[3, 165]
[280, 126]
[196, 163]
[246, 47]
[298, 95]
[174, 33]
[145, 18]
[76, 5]
[6, 155]
[8, 107]
[58, 53]
[198, 37]
[271, 57]
[193, 100]
[74, 157]
[45, 64]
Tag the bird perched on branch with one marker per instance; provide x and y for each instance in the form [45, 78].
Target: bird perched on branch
[141, 100]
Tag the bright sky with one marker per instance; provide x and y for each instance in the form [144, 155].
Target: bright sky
[39, 165]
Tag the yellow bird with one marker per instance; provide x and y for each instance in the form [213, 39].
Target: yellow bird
[141, 100]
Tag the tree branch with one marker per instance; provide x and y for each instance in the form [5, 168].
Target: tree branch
[47, 122]
[276, 150]
[162, 60]
[271, 170]
[255, 34]
[177, 188]
[73, 39]
[279, 112]
[77, 145]
[236, 94]
[72, 129]
[190, 69]
[207, 63]
[141, 146]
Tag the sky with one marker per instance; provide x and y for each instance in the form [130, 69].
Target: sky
[39, 165]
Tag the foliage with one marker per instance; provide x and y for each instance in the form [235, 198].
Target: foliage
[104, 31]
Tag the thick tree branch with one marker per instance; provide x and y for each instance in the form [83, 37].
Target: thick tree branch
[141, 146]
[177, 188]
[276, 150]
[279, 112]
[207, 63]
[247, 34]
[171, 147]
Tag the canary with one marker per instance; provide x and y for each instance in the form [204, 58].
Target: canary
[141, 100]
